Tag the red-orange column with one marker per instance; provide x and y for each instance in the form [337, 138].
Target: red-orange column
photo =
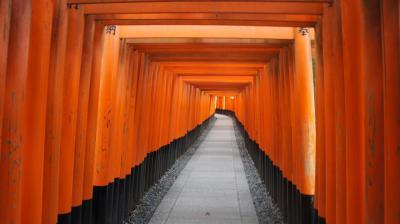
[70, 104]
[5, 17]
[133, 68]
[173, 103]
[125, 61]
[282, 111]
[340, 129]
[35, 115]
[178, 108]
[355, 174]
[144, 114]
[93, 110]
[257, 108]
[373, 123]
[148, 109]
[139, 110]
[262, 109]
[166, 109]
[168, 106]
[105, 112]
[362, 59]
[139, 60]
[160, 94]
[293, 124]
[290, 73]
[305, 112]
[391, 34]
[154, 110]
[11, 161]
[268, 111]
[82, 114]
[282, 119]
[54, 115]
[329, 100]
[319, 201]
[117, 94]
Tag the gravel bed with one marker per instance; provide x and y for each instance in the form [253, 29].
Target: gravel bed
[150, 201]
[267, 211]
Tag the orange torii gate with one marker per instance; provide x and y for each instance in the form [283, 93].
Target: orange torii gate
[81, 110]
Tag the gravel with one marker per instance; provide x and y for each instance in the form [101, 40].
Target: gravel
[150, 201]
[267, 211]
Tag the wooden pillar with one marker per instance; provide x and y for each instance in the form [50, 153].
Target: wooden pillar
[139, 109]
[319, 201]
[35, 114]
[93, 110]
[54, 114]
[125, 61]
[329, 100]
[12, 148]
[117, 92]
[390, 15]
[339, 113]
[305, 117]
[70, 107]
[5, 18]
[334, 116]
[82, 120]
[104, 114]
[363, 80]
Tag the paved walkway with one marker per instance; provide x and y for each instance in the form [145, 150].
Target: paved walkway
[212, 188]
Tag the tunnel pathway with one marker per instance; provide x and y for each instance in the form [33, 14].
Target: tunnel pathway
[212, 188]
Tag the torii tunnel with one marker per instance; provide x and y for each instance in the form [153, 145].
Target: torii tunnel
[100, 98]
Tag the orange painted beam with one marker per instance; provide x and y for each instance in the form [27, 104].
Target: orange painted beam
[200, 18]
[205, 7]
[209, 22]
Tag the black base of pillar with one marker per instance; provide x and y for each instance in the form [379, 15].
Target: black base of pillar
[307, 208]
[87, 207]
[76, 216]
[64, 219]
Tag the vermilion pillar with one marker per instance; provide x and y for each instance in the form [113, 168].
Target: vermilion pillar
[305, 118]
[11, 161]
[319, 201]
[104, 114]
[82, 120]
[391, 48]
[329, 104]
[362, 63]
[35, 114]
[5, 17]
[54, 115]
[70, 106]
[340, 127]
[93, 110]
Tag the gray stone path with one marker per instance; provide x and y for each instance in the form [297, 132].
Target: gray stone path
[212, 188]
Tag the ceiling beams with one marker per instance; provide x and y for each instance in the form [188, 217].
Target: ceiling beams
[187, 51]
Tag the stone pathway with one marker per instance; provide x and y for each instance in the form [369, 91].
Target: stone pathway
[212, 188]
